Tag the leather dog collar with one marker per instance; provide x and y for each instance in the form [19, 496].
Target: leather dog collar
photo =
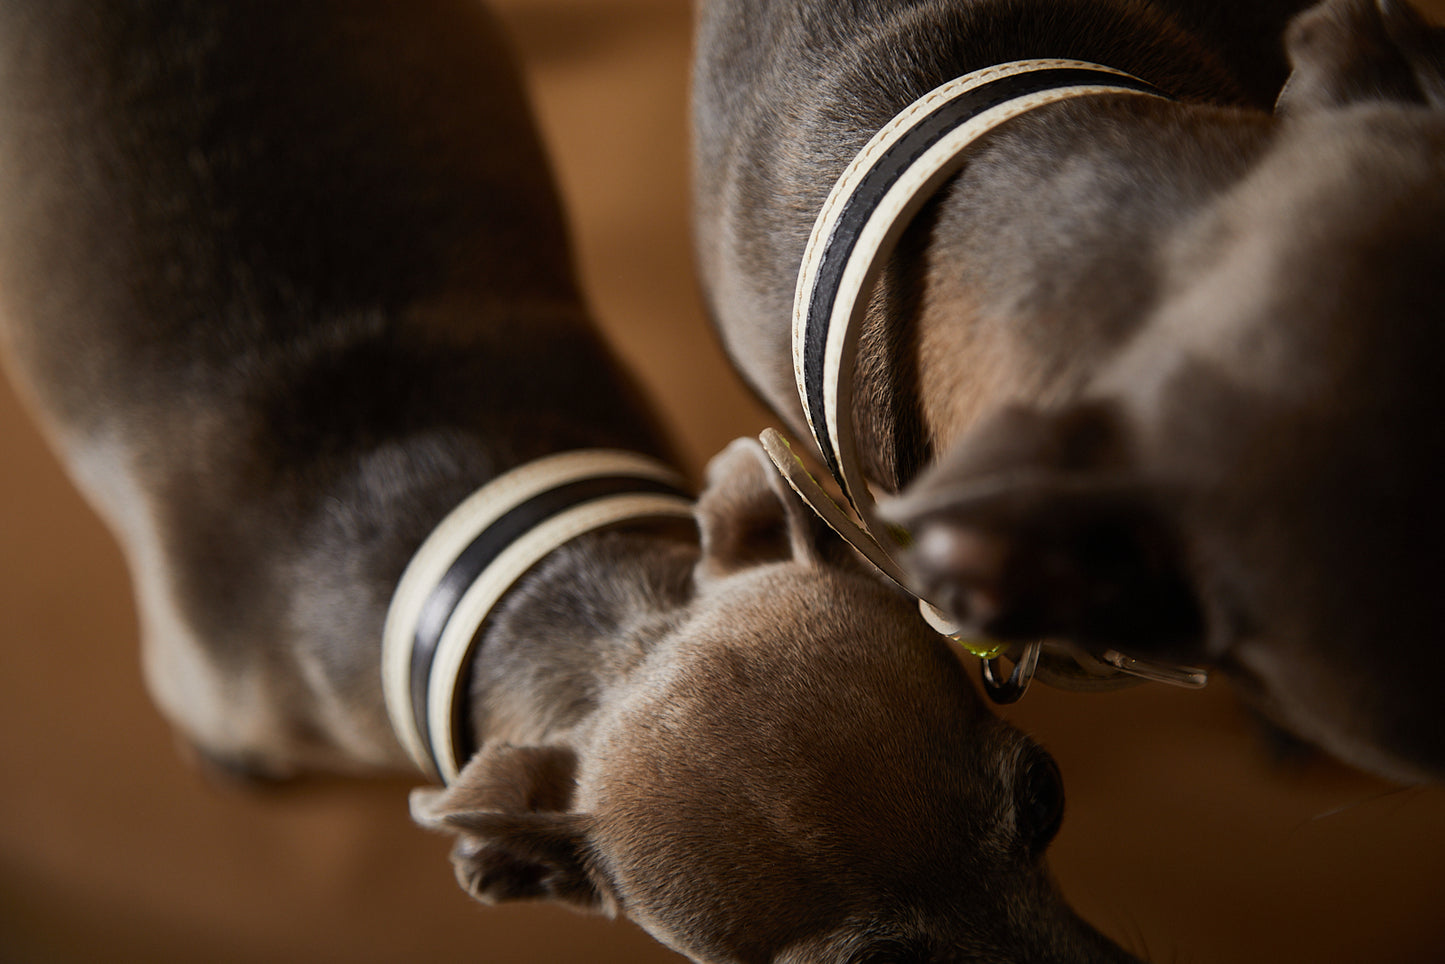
[860, 223]
[474, 556]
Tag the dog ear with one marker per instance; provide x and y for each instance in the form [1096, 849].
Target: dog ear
[1037, 526]
[1349, 51]
[516, 837]
[748, 515]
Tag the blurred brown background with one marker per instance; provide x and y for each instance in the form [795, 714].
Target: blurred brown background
[1183, 841]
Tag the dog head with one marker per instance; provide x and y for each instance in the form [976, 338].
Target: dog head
[799, 771]
[1255, 481]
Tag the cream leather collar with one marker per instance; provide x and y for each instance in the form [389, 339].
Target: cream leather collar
[473, 557]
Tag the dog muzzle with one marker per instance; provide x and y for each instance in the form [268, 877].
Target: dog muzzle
[860, 223]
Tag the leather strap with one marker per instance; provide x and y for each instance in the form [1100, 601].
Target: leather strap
[473, 557]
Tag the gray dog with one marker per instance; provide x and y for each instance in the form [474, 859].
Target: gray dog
[1157, 371]
[286, 282]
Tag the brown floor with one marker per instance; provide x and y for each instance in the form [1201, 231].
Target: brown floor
[1183, 840]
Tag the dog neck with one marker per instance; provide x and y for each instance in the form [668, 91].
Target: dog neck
[875, 198]
[1090, 194]
[748, 159]
[574, 630]
[474, 558]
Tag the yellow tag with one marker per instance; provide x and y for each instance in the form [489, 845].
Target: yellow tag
[984, 648]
